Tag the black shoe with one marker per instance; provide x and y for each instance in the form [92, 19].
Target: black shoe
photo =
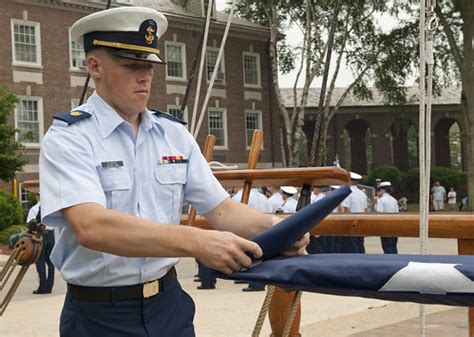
[253, 289]
[206, 287]
[37, 292]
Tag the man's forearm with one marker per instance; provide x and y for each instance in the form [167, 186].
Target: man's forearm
[240, 219]
[126, 235]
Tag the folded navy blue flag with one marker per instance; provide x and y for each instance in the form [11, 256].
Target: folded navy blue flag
[430, 279]
[280, 237]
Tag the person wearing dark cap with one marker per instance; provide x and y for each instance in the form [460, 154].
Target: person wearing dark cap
[387, 204]
[114, 176]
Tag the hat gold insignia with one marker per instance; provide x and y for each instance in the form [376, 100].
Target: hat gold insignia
[76, 113]
[150, 36]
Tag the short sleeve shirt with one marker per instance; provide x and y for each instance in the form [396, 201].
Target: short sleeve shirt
[99, 160]
[356, 201]
[387, 204]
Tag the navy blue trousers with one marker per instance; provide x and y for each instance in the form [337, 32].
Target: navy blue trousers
[168, 314]
[46, 280]
[206, 275]
[389, 244]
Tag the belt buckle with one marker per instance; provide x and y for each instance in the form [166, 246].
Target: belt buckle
[151, 289]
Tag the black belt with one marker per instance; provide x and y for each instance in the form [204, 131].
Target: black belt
[138, 291]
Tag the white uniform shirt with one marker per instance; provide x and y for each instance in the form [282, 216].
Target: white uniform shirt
[99, 160]
[289, 206]
[316, 197]
[387, 204]
[33, 212]
[276, 200]
[256, 200]
[356, 201]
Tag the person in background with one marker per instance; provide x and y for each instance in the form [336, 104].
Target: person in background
[356, 202]
[439, 196]
[387, 204]
[276, 198]
[289, 202]
[317, 193]
[46, 277]
[452, 199]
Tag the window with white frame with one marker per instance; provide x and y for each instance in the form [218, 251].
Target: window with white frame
[175, 110]
[253, 121]
[77, 54]
[218, 126]
[29, 120]
[211, 58]
[251, 69]
[175, 60]
[26, 44]
[23, 196]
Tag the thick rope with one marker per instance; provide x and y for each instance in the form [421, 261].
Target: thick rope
[427, 29]
[201, 66]
[263, 311]
[291, 314]
[214, 73]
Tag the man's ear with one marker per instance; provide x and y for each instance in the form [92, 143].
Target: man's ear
[94, 66]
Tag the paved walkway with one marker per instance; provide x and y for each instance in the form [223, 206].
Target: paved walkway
[229, 312]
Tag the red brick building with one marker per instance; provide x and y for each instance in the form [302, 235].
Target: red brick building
[46, 71]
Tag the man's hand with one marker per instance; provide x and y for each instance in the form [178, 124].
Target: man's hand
[299, 247]
[225, 251]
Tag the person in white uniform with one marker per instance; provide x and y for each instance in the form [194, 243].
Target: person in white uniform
[289, 202]
[356, 202]
[387, 204]
[114, 175]
[275, 199]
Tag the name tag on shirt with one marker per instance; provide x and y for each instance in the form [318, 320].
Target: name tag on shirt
[111, 164]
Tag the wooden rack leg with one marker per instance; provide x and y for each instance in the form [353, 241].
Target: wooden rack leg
[278, 313]
[466, 247]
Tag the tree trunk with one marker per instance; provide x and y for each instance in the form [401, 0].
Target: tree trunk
[467, 96]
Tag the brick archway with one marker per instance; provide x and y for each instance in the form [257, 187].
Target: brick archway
[441, 141]
[400, 148]
[357, 129]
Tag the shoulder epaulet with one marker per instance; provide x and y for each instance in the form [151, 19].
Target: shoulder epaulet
[158, 113]
[73, 116]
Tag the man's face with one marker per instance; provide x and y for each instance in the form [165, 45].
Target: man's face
[124, 84]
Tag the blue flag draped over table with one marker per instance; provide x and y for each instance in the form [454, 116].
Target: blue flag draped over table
[431, 279]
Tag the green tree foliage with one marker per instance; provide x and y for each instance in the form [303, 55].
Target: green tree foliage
[11, 159]
[11, 212]
[386, 173]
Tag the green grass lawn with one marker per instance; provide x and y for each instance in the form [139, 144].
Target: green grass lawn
[415, 207]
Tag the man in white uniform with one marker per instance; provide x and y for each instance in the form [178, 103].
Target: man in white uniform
[387, 204]
[276, 199]
[356, 202]
[114, 175]
[289, 202]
